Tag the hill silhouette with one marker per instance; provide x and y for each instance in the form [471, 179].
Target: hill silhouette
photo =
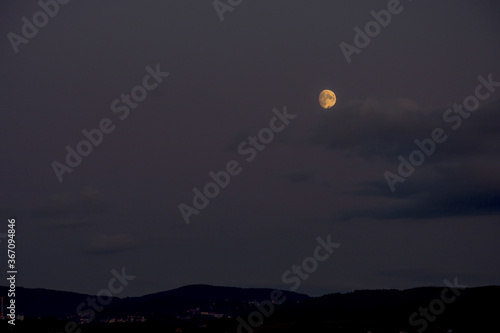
[221, 309]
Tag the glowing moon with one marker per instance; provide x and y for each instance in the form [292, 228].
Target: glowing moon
[327, 99]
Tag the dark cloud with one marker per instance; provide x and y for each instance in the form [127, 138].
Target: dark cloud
[387, 129]
[236, 139]
[468, 189]
[108, 244]
[87, 201]
[299, 176]
[371, 127]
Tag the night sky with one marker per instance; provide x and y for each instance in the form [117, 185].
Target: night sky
[324, 173]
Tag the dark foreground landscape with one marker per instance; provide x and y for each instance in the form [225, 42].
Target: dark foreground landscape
[202, 308]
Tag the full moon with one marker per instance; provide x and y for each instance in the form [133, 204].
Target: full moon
[327, 99]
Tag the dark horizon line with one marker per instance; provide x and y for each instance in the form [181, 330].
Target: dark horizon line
[250, 288]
